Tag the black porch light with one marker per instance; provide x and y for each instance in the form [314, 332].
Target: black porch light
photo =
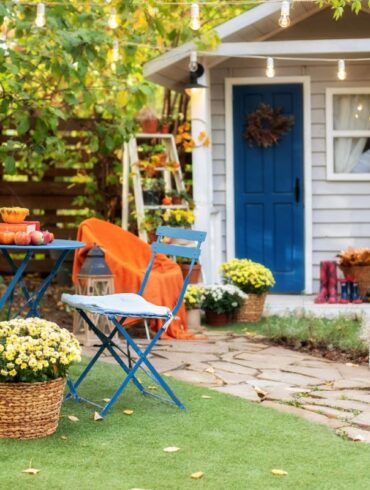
[196, 71]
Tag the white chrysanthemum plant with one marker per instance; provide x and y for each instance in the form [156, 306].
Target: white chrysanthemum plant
[34, 350]
[222, 298]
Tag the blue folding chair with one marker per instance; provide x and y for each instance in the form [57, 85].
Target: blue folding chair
[118, 307]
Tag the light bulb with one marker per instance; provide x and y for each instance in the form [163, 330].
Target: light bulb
[194, 17]
[284, 20]
[115, 51]
[40, 15]
[342, 75]
[270, 69]
[112, 21]
[193, 64]
[360, 107]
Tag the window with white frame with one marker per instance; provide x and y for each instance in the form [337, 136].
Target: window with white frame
[348, 133]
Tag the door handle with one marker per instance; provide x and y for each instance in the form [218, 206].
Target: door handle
[297, 189]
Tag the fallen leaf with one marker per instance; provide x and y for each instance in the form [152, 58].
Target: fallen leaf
[279, 472]
[171, 449]
[210, 370]
[250, 334]
[260, 393]
[72, 418]
[197, 475]
[168, 375]
[63, 438]
[350, 364]
[358, 438]
[152, 387]
[106, 400]
[206, 397]
[128, 412]
[31, 471]
[97, 417]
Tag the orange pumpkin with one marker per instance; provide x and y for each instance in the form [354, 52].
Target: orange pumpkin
[7, 237]
[166, 201]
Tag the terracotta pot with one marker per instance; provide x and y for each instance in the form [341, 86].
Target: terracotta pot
[195, 273]
[176, 200]
[165, 128]
[149, 125]
[193, 318]
[152, 237]
[217, 319]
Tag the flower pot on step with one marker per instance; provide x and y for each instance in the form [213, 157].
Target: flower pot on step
[195, 273]
[193, 318]
[217, 319]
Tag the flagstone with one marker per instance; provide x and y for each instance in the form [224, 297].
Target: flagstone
[240, 390]
[336, 403]
[232, 378]
[355, 434]
[329, 411]
[233, 367]
[352, 383]
[327, 373]
[288, 378]
[363, 420]
[195, 377]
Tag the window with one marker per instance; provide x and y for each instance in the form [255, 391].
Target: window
[348, 133]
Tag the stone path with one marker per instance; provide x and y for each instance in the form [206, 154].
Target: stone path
[322, 391]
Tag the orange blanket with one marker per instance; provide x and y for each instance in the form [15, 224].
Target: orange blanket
[127, 257]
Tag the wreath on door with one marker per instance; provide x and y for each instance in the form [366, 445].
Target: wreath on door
[266, 125]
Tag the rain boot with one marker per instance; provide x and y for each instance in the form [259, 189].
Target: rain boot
[323, 293]
[355, 296]
[344, 296]
[332, 282]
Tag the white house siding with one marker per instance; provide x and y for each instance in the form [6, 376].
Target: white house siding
[341, 210]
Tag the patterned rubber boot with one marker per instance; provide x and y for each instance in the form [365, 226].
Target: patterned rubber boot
[323, 293]
[355, 296]
[332, 282]
[344, 297]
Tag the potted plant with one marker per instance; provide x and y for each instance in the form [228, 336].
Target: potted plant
[182, 218]
[220, 301]
[252, 278]
[148, 120]
[175, 196]
[196, 271]
[150, 223]
[35, 355]
[166, 124]
[152, 190]
[192, 299]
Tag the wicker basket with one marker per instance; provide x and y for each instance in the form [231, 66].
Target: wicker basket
[30, 410]
[362, 275]
[252, 308]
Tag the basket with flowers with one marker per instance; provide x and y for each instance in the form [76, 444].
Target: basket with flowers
[355, 263]
[35, 355]
[254, 279]
[220, 301]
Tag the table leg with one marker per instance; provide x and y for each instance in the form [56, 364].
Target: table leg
[45, 284]
[18, 272]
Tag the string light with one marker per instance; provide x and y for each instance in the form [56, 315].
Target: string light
[270, 68]
[194, 17]
[193, 64]
[115, 51]
[284, 20]
[112, 21]
[40, 15]
[342, 75]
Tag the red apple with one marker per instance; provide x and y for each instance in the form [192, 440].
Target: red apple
[22, 238]
[37, 238]
[47, 237]
[52, 237]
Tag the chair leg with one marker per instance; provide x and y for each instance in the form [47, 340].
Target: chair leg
[147, 331]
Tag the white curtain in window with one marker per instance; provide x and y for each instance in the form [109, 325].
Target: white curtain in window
[351, 112]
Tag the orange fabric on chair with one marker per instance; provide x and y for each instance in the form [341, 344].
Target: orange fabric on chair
[127, 257]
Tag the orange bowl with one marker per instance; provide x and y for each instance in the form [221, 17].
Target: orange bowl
[14, 215]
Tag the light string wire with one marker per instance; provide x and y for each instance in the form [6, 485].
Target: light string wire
[162, 3]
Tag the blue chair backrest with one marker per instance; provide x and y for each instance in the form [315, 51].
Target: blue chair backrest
[191, 252]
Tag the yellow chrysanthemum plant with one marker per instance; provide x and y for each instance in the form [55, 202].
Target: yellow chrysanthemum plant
[193, 296]
[251, 277]
[34, 350]
[183, 218]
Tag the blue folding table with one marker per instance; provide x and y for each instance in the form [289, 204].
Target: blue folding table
[32, 298]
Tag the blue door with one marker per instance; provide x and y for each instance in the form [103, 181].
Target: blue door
[268, 183]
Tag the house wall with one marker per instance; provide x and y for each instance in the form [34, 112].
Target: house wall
[341, 210]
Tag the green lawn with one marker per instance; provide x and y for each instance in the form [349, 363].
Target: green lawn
[234, 442]
[340, 333]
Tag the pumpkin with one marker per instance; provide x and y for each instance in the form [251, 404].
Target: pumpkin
[166, 201]
[7, 237]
